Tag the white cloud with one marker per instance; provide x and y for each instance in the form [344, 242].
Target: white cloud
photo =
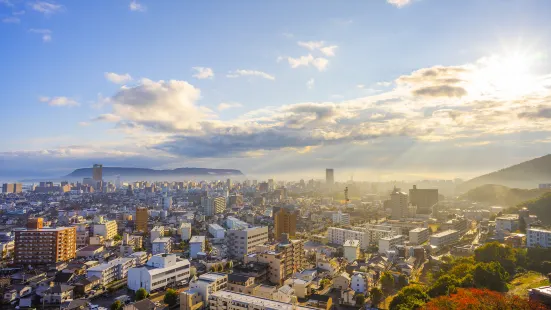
[360, 86]
[11, 20]
[46, 34]
[137, 7]
[58, 101]
[319, 63]
[240, 73]
[117, 78]
[310, 83]
[108, 117]
[47, 8]
[203, 73]
[399, 3]
[18, 13]
[328, 50]
[229, 105]
[311, 45]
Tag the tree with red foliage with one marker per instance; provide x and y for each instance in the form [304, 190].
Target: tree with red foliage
[481, 299]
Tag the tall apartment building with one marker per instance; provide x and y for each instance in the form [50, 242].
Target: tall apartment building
[285, 222]
[142, 217]
[97, 172]
[12, 188]
[244, 241]
[285, 259]
[45, 245]
[398, 204]
[35, 223]
[107, 229]
[538, 237]
[424, 199]
[329, 177]
[213, 205]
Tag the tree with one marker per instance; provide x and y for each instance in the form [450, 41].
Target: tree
[171, 297]
[491, 275]
[546, 267]
[376, 295]
[141, 293]
[481, 300]
[117, 305]
[360, 299]
[387, 282]
[229, 265]
[117, 237]
[402, 280]
[410, 297]
[445, 285]
[497, 252]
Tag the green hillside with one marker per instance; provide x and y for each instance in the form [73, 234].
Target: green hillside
[540, 206]
[502, 195]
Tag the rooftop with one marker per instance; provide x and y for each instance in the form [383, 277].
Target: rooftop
[197, 239]
[267, 303]
[354, 243]
[445, 233]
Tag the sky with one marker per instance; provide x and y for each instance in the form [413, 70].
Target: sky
[379, 90]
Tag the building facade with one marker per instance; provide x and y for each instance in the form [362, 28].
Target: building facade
[45, 245]
[285, 222]
[159, 272]
[244, 241]
[142, 217]
[538, 237]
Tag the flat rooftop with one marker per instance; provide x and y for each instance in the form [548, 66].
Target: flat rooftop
[249, 299]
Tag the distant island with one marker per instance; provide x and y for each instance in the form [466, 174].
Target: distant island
[125, 172]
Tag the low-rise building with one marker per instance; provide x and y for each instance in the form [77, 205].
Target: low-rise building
[351, 250]
[217, 231]
[157, 232]
[160, 271]
[116, 269]
[58, 294]
[185, 231]
[538, 237]
[209, 283]
[506, 223]
[359, 282]
[444, 238]
[386, 244]
[418, 235]
[196, 245]
[241, 242]
[161, 245]
[224, 300]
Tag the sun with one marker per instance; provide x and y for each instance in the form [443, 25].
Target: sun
[504, 76]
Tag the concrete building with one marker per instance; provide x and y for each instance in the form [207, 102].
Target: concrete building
[159, 272]
[340, 218]
[166, 202]
[97, 172]
[386, 244]
[418, 235]
[236, 200]
[208, 284]
[444, 238]
[45, 245]
[217, 231]
[185, 231]
[235, 223]
[538, 237]
[424, 199]
[285, 222]
[329, 177]
[226, 300]
[116, 269]
[244, 241]
[359, 282]
[107, 229]
[12, 188]
[399, 204]
[351, 250]
[196, 245]
[213, 205]
[157, 232]
[161, 245]
[506, 223]
[142, 217]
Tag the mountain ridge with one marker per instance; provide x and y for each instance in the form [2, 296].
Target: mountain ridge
[527, 174]
[148, 172]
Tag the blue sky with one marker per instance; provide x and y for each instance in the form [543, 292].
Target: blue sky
[280, 88]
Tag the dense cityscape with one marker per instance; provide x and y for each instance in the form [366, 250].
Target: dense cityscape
[316, 244]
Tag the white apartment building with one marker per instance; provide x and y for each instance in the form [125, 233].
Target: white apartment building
[351, 250]
[340, 235]
[161, 245]
[217, 231]
[341, 218]
[242, 242]
[538, 237]
[506, 223]
[185, 231]
[139, 257]
[156, 232]
[444, 238]
[386, 244]
[359, 282]
[227, 300]
[116, 269]
[107, 229]
[235, 223]
[399, 202]
[418, 235]
[209, 283]
[196, 245]
[159, 272]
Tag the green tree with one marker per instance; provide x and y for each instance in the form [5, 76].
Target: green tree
[546, 267]
[387, 282]
[171, 297]
[360, 299]
[444, 285]
[376, 295]
[117, 305]
[117, 237]
[491, 276]
[497, 252]
[409, 297]
[402, 280]
[141, 293]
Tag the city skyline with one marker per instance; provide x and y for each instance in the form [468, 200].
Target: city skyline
[382, 90]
